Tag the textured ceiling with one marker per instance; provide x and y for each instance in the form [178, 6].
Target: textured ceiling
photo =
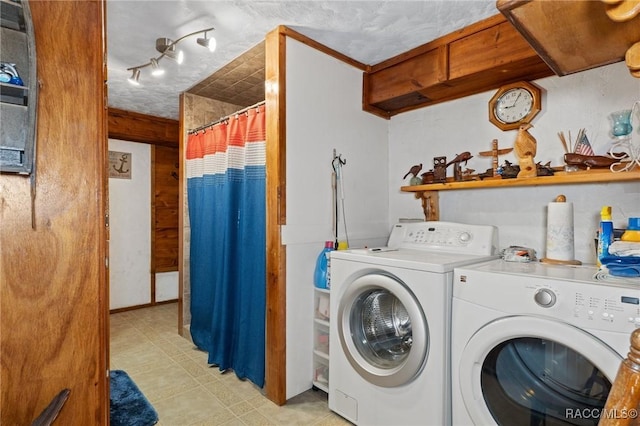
[240, 82]
[367, 31]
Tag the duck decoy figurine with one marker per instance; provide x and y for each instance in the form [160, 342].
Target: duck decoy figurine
[414, 170]
[525, 148]
[465, 156]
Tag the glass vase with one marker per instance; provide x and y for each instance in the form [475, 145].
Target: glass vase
[621, 123]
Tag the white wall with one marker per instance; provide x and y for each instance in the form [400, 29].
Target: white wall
[582, 100]
[130, 229]
[324, 111]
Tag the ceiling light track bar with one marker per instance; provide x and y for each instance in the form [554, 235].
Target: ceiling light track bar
[167, 47]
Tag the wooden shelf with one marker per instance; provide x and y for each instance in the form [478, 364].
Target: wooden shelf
[560, 178]
[13, 94]
[428, 194]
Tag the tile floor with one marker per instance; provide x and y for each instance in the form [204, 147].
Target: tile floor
[175, 378]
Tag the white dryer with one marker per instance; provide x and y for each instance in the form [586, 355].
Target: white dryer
[389, 323]
[537, 344]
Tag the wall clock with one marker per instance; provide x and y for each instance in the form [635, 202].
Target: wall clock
[515, 104]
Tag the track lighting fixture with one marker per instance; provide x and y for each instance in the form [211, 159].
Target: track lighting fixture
[169, 48]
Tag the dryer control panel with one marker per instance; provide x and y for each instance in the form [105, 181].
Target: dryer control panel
[566, 293]
[445, 236]
[586, 305]
[608, 307]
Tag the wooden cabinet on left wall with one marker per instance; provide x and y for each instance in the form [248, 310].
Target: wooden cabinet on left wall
[53, 234]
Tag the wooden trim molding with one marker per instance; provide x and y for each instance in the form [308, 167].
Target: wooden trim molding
[276, 344]
[181, 206]
[286, 31]
[136, 127]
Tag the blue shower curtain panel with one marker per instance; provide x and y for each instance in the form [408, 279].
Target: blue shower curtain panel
[227, 213]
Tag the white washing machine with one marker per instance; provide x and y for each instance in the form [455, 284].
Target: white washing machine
[389, 323]
[537, 344]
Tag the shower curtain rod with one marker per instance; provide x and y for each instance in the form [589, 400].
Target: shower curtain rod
[197, 129]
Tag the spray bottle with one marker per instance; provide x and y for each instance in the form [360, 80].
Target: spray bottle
[605, 234]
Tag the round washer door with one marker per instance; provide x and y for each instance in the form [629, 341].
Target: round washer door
[383, 330]
[535, 370]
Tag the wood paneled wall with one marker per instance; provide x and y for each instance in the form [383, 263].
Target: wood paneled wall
[53, 278]
[165, 163]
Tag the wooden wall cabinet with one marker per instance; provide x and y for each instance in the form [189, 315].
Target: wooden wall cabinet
[17, 101]
[480, 57]
[571, 35]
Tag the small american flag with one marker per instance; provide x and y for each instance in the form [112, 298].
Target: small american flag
[583, 146]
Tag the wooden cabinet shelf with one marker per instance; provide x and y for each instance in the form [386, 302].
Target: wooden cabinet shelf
[11, 15]
[429, 192]
[14, 94]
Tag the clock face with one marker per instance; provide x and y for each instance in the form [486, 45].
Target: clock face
[514, 105]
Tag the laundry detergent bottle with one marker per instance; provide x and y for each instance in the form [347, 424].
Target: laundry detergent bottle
[322, 273]
[632, 234]
[605, 233]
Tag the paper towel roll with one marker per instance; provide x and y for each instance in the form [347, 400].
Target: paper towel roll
[560, 244]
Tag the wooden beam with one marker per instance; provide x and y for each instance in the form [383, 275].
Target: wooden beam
[136, 127]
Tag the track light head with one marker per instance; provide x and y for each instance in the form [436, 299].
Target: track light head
[135, 77]
[208, 42]
[156, 69]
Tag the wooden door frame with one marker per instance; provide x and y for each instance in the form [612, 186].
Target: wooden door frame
[276, 301]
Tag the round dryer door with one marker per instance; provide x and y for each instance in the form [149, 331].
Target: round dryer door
[383, 330]
[529, 370]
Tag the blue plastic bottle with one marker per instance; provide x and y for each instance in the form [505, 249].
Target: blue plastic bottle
[605, 234]
[321, 276]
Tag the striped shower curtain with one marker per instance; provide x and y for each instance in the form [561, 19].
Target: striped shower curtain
[225, 169]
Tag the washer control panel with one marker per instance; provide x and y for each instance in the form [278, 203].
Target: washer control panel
[448, 236]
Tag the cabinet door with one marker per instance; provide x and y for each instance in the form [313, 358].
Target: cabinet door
[18, 88]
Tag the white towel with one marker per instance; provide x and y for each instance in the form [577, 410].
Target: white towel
[623, 248]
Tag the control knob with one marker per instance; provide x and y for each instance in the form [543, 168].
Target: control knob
[464, 237]
[545, 298]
